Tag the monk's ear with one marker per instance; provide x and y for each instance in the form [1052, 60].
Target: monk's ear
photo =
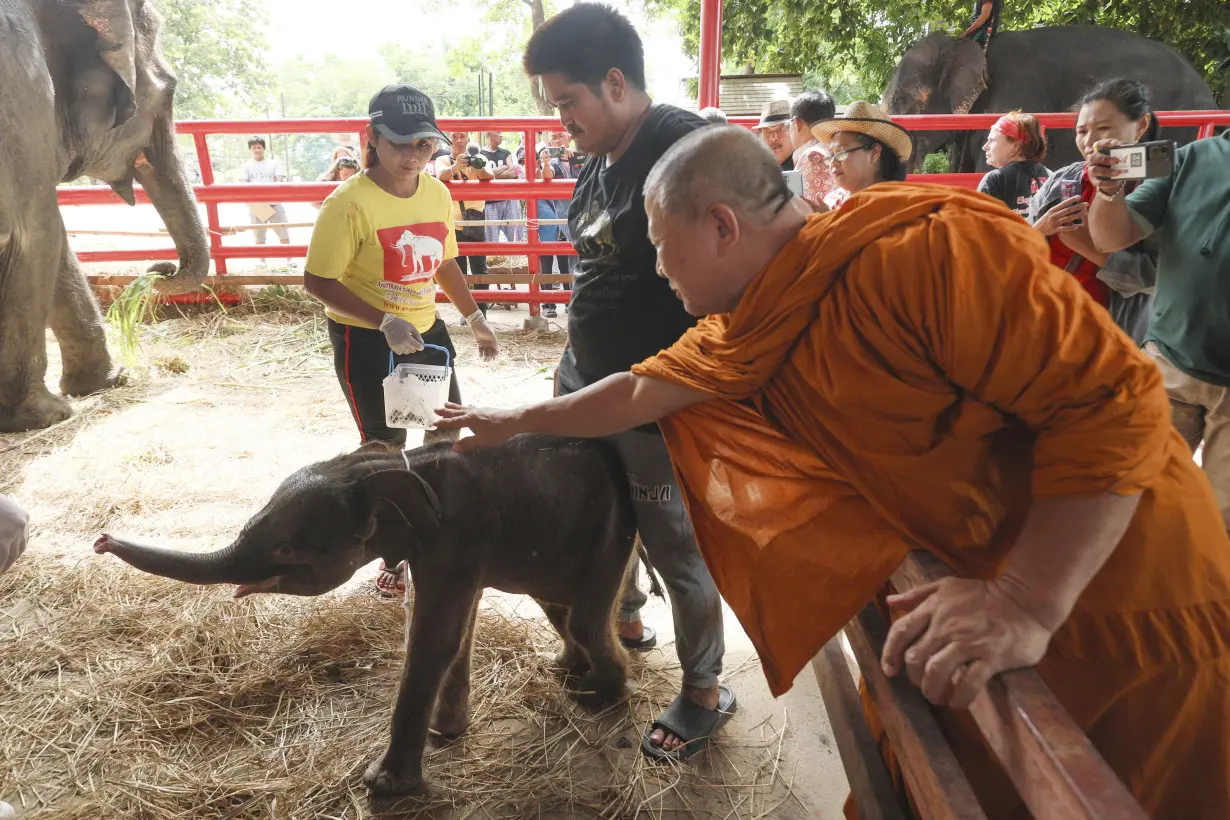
[725, 222]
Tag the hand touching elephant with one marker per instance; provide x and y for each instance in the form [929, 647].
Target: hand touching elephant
[14, 531]
[88, 93]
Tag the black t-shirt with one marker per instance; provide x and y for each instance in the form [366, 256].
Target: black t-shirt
[622, 312]
[788, 163]
[496, 159]
[1015, 183]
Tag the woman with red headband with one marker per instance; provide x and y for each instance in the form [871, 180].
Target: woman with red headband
[1122, 282]
[1015, 150]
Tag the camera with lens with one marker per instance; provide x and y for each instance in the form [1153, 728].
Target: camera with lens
[477, 160]
[555, 153]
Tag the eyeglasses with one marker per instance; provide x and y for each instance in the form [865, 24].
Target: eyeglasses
[843, 154]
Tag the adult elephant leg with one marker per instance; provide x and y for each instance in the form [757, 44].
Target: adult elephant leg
[77, 323]
[31, 243]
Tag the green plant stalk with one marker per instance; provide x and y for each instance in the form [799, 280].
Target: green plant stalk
[135, 305]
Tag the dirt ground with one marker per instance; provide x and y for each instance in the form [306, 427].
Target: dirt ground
[219, 409]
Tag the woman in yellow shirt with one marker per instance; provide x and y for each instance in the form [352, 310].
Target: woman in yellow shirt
[382, 240]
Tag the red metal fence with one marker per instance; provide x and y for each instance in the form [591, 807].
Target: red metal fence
[211, 193]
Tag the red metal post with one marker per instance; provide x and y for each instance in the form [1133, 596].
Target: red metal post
[211, 208]
[531, 219]
[710, 53]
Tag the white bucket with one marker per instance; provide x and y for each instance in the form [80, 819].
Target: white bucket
[413, 392]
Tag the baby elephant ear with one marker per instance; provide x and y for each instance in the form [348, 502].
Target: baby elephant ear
[112, 21]
[407, 493]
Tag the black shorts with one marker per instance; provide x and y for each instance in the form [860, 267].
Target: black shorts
[361, 359]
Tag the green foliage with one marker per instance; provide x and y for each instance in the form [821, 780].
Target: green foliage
[136, 304]
[935, 164]
[853, 45]
[216, 48]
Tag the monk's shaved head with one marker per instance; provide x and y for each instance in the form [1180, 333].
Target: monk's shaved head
[721, 164]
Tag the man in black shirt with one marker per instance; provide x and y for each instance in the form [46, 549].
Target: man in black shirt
[592, 67]
[502, 165]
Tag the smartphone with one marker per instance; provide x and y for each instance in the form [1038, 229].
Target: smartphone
[1069, 188]
[794, 181]
[1145, 160]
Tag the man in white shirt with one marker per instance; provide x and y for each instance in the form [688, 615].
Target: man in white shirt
[260, 170]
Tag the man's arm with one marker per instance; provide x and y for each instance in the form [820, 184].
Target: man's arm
[984, 14]
[14, 531]
[620, 402]
[951, 656]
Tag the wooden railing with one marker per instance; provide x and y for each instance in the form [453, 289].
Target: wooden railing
[1055, 769]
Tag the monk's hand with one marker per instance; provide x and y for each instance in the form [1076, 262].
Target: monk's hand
[489, 426]
[958, 633]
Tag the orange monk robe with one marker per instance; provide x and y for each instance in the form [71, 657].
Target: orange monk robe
[909, 373]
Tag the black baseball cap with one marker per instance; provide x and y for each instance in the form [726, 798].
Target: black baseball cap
[402, 113]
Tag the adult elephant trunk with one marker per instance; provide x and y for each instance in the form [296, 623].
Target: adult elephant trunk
[160, 170]
[192, 567]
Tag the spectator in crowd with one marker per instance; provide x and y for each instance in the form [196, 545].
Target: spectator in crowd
[864, 147]
[344, 147]
[455, 166]
[502, 164]
[774, 128]
[809, 108]
[592, 67]
[1121, 282]
[342, 169]
[1015, 150]
[382, 241]
[911, 373]
[1188, 215]
[264, 171]
[574, 161]
[713, 115]
[986, 22]
[552, 166]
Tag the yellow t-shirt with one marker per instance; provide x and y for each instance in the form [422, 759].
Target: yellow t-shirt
[385, 249]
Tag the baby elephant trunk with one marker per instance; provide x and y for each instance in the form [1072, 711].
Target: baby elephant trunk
[191, 567]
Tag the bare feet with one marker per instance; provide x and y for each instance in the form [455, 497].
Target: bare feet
[707, 698]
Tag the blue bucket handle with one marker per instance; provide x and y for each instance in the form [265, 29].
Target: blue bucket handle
[444, 350]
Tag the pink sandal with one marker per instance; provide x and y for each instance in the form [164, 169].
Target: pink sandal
[391, 582]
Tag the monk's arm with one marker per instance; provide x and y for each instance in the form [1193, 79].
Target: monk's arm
[1063, 544]
[617, 403]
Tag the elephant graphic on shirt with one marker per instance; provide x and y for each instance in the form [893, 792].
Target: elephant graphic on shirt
[422, 248]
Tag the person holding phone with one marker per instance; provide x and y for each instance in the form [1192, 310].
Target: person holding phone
[1187, 212]
[1122, 282]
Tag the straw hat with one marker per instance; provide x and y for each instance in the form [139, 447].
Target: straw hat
[773, 114]
[869, 120]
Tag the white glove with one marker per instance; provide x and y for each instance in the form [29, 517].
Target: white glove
[484, 336]
[402, 336]
[14, 531]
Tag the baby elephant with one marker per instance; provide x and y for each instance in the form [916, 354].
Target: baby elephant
[544, 516]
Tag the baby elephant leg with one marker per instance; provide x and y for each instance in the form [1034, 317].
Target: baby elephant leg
[571, 661]
[453, 705]
[440, 620]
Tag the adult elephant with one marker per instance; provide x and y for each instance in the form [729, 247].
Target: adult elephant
[1038, 70]
[86, 91]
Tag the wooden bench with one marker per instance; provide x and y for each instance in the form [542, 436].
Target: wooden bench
[1053, 766]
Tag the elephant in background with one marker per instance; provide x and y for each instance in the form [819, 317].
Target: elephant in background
[86, 91]
[1039, 70]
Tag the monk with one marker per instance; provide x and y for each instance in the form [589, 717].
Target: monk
[910, 372]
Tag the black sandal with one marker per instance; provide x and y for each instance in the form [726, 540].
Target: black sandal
[694, 724]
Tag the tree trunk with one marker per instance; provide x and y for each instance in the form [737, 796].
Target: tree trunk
[538, 16]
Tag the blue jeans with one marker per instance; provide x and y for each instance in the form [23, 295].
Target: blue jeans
[552, 233]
